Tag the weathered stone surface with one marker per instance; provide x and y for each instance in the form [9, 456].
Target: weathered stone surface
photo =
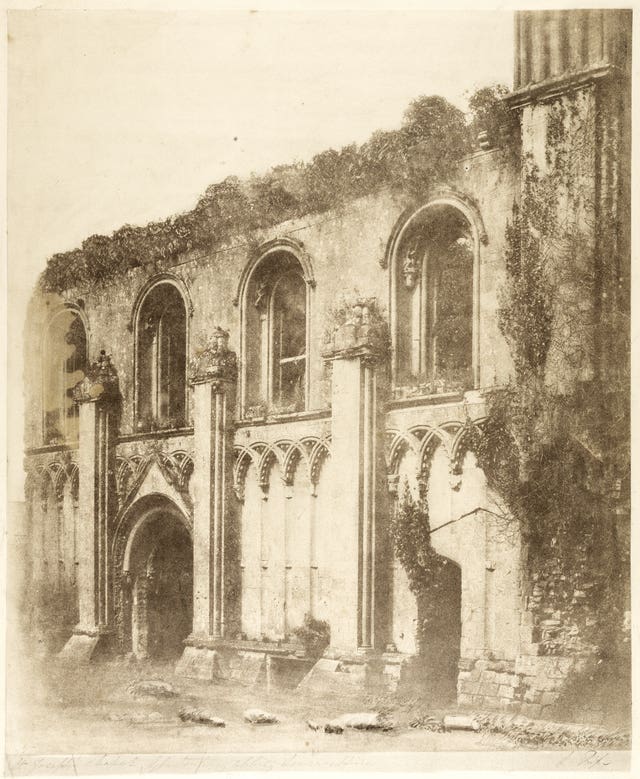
[199, 663]
[362, 721]
[201, 717]
[246, 667]
[506, 691]
[460, 722]
[79, 649]
[154, 688]
[333, 676]
[259, 717]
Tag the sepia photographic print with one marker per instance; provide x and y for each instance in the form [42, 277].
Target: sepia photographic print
[319, 353]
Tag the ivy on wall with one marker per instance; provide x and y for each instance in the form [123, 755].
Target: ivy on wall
[410, 532]
[433, 137]
[557, 456]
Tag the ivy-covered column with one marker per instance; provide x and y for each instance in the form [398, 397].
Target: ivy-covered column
[358, 352]
[213, 376]
[98, 397]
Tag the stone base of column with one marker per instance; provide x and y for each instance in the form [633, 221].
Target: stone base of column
[200, 662]
[87, 645]
[247, 662]
[353, 672]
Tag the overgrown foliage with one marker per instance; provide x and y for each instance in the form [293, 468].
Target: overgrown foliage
[410, 532]
[556, 442]
[433, 137]
[315, 635]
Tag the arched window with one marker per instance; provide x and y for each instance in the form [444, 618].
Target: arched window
[161, 359]
[433, 290]
[289, 317]
[275, 336]
[65, 360]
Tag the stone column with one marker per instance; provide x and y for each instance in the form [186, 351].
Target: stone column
[98, 397]
[213, 376]
[358, 351]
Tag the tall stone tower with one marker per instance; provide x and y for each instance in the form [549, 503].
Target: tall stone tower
[572, 75]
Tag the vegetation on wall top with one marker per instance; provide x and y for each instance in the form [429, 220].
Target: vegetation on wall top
[433, 137]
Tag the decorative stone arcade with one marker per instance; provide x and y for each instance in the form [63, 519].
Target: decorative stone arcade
[213, 376]
[98, 397]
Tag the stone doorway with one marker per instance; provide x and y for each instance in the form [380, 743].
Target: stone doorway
[160, 576]
[439, 613]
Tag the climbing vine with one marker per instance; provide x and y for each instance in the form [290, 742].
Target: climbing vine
[433, 137]
[556, 448]
[410, 532]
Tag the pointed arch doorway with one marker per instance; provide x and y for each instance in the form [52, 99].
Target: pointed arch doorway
[157, 581]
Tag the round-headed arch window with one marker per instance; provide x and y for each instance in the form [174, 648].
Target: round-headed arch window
[433, 300]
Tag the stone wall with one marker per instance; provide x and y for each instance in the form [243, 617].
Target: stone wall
[529, 685]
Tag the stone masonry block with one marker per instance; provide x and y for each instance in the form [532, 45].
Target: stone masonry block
[489, 689]
[465, 700]
[526, 665]
[505, 691]
[532, 695]
[470, 687]
[548, 698]
[466, 663]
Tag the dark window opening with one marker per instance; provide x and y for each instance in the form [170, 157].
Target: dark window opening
[289, 324]
[65, 365]
[275, 338]
[161, 374]
[434, 305]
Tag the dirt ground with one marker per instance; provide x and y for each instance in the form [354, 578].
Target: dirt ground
[60, 710]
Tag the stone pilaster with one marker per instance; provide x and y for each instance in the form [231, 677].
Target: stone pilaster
[213, 376]
[358, 352]
[98, 398]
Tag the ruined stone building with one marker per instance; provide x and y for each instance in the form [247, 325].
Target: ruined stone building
[216, 438]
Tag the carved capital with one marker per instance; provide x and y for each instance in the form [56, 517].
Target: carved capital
[100, 382]
[214, 361]
[359, 330]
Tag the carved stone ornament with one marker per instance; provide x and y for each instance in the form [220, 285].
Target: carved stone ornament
[262, 291]
[214, 360]
[359, 327]
[411, 265]
[100, 382]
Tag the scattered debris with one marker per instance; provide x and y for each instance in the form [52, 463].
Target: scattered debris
[259, 717]
[427, 722]
[363, 721]
[333, 728]
[460, 722]
[201, 717]
[153, 688]
[525, 731]
[313, 725]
